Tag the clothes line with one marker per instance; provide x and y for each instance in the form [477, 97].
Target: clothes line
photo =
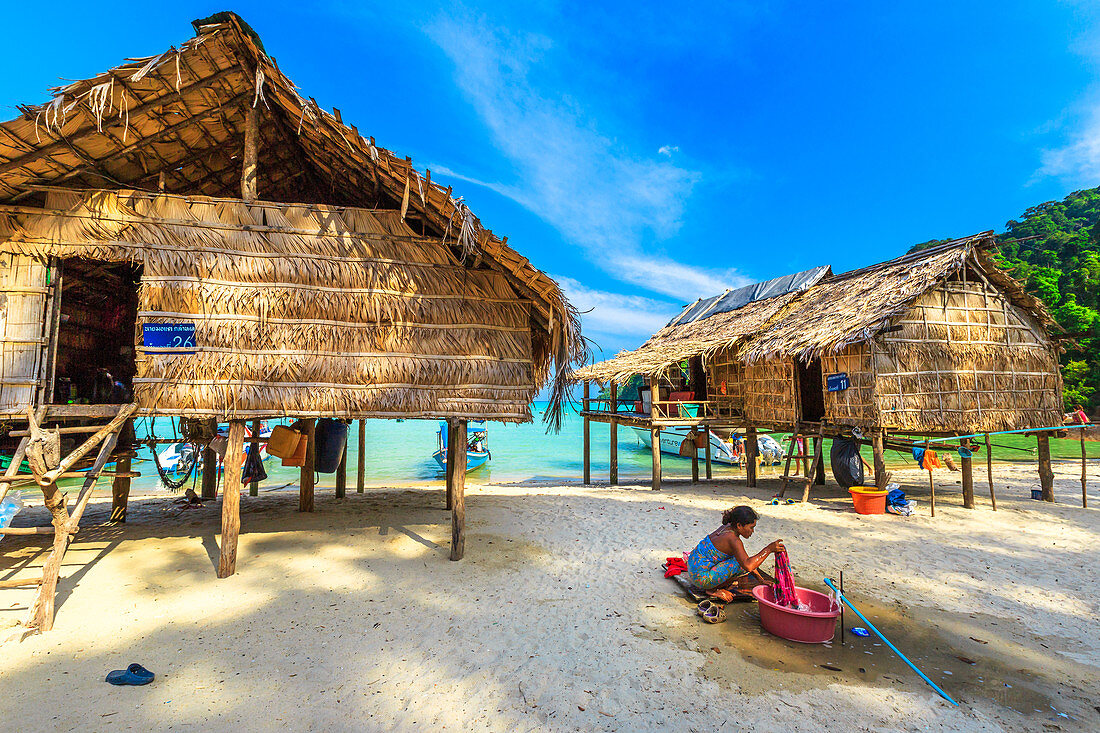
[1007, 432]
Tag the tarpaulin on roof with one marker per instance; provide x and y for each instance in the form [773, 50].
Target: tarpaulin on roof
[731, 300]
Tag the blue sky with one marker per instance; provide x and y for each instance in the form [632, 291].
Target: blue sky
[649, 154]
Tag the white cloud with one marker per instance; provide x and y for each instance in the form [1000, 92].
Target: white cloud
[625, 317]
[668, 150]
[1080, 159]
[589, 186]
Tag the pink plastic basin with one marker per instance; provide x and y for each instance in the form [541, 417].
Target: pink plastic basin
[813, 626]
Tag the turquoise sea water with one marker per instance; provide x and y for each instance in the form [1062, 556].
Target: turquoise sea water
[400, 453]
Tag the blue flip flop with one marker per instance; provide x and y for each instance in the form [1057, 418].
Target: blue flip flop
[135, 674]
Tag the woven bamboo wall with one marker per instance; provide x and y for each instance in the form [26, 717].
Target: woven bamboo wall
[23, 297]
[301, 310]
[855, 405]
[726, 383]
[770, 393]
[967, 360]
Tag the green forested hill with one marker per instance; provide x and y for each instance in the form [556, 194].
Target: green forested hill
[1062, 267]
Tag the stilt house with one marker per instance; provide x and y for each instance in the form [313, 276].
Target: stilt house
[192, 226]
[937, 342]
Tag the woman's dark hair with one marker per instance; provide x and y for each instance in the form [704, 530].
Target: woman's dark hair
[739, 515]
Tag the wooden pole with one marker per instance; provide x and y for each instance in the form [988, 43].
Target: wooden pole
[655, 439]
[120, 491]
[231, 500]
[706, 451]
[931, 485]
[1046, 473]
[452, 426]
[613, 468]
[305, 482]
[457, 455]
[254, 484]
[587, 439]
[878, 449]
[819, 463]
[1084, 493]
[967, 475]
[694, 458]
[361, 477]
[989, 471]
[342, 474]
[751, 452]
[209, 473]
[249, 168]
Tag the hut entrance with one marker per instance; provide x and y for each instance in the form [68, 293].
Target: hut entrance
[95, 339]
[811, 398]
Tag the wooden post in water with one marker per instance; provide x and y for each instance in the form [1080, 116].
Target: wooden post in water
[989, 471]
[1084, 493]
[305, 481]
[254, 485]
[209, 473]
[231, 501]
[694, 458]
[751, 452]
[361, 478]
[706, 451]
[1046, 473]
[967, 474]
[456, 457]
[878, 449]
[452, 426]
[613, 468]
[587, 438]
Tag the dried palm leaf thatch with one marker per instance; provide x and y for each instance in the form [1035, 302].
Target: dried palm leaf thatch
[330, 197]
[297, 313]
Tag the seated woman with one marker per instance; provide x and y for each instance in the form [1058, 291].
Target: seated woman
[721, 557]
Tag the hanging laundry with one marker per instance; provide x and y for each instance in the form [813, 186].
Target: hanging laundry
[926, 459]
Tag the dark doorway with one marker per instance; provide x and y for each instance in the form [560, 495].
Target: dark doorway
[811, 395]
[95, 345]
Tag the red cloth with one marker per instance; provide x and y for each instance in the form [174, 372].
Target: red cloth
[675, 566]
[783, 590]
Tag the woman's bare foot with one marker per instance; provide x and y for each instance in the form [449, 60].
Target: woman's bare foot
[721, 594]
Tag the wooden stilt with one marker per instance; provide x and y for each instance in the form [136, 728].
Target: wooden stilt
[989, 471]
[587, 439]
[452, 426]
[931, 486]
[342, 474]
[613, 468]
[751, 452]
[967, 465]
[816, 464]
[706, 451]
[306, 475]
[694, 459]
[1046, 473]
[120, 491]
[209, 474]
[878, 442]
[819, 461]
[254, 485]
[655, 437]
[456, 454]
[1084, 459]
[792, 453]
[231, 501]
[360, 479]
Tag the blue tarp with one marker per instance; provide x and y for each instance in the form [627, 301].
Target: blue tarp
[731, 300]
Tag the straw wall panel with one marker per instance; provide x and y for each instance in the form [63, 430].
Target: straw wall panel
[855, 405]
[22, 311]
[302, 310]
[769, 393]
[967, 360]
[726, 383]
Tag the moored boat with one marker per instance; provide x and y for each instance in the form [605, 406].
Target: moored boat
[477, 445]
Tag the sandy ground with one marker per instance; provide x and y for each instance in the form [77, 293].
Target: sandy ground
[352, 618]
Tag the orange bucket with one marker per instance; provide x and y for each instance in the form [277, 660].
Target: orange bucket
[869, 501]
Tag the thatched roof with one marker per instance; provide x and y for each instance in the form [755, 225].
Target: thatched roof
[177, 120]
[837, 311]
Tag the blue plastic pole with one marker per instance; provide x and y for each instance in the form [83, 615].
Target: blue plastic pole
[878, 633]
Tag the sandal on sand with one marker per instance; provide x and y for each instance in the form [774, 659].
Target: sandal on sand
[711, 612]
[135, 674]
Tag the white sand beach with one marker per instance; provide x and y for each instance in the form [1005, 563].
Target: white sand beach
[352, 618]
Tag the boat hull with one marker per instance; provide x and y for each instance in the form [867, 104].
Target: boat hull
[474, 459]
[671, 438]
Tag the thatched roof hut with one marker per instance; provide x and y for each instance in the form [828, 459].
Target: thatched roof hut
[190, 226]
[940, 341]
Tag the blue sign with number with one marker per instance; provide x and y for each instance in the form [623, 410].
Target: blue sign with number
[169, 336]
[837, 382]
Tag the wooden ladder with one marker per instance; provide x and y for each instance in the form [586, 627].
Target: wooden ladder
[65, 524]
[806, 432]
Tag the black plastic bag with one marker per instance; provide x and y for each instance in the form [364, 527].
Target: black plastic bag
[846, 463]
[253, 466]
